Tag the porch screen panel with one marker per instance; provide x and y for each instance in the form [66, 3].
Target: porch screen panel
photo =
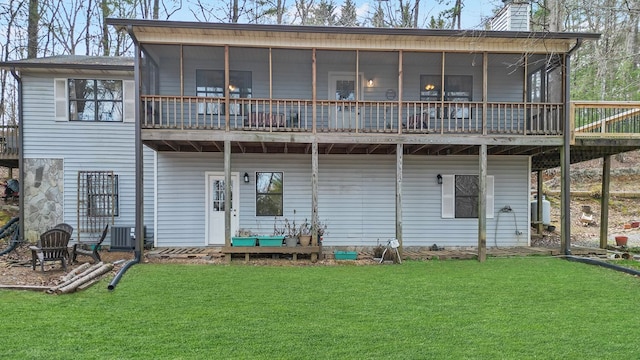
[210, 83]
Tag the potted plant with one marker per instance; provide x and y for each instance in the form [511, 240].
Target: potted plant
[621, 240]
[244, 237]
[304, 233]
[291, 233]
[322, 230]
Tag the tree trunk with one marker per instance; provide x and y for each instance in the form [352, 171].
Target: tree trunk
[106, 46]
[632, 31]
[32, 30]
[556, 15]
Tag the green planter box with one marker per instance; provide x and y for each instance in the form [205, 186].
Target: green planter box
[345, 255]
[270, 240]
[243, 241]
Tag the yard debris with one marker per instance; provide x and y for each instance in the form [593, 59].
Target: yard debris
[76, 280]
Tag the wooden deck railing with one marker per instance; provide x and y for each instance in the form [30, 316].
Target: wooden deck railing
[438, 117]
[602, 117]
[9, 141]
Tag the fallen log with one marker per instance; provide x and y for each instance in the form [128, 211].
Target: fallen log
[64, 282]
[75, 272]
[81, 280]
[89, 283]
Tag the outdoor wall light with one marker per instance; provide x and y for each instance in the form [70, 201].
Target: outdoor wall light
[370, 82]
[439, 177]
[246, 178]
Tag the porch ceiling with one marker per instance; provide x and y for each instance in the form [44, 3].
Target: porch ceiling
[584, 150]
[542, 157]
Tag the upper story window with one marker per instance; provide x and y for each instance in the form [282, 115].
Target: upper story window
[95, 100]
[210, 83]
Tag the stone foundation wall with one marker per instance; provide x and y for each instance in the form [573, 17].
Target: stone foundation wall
[43, 196]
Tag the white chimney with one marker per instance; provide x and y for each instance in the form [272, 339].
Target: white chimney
[515, 16]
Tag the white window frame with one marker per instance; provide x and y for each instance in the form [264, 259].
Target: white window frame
[448, 210]
[61, 100]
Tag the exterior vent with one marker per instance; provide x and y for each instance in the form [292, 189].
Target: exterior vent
[121, 238]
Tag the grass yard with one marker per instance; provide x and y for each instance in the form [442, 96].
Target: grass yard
[533, 307]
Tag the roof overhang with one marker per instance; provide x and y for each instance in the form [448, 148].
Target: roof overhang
[73, 64]
[363, 38]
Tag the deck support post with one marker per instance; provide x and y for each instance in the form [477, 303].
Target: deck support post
[604, 201]
[227, 193]
[539, 213]
[565, 201]
[139, 164]
[565, 164]
[314, 198]
[399, 153]
[482, 204]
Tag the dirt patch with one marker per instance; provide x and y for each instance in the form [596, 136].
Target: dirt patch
[15, 267]
[587, 176]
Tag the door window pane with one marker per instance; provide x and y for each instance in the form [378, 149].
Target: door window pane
[345, 90]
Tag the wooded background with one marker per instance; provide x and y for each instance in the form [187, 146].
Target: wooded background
[602, 70]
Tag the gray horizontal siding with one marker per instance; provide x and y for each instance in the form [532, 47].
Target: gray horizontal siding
[84, 146]
[356, 197]
[423, 224]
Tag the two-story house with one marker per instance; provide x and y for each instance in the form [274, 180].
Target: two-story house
[422, 135]
[427, 136]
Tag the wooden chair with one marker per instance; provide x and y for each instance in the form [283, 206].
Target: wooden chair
[89, 248]
[66, 227]
[52, 246]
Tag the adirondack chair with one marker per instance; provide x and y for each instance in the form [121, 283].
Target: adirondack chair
[89, 248]
[52, 246]
[66, 227]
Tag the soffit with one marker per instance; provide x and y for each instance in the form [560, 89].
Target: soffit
[463, 41]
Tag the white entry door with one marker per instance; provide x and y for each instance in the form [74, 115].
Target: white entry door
[215, 206]
[342, 86]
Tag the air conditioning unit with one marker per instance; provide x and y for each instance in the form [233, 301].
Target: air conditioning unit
[121, 238]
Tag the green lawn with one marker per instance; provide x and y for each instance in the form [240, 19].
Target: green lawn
[533, 307]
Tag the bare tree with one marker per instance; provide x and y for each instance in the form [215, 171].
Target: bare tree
[9, 15]
[265, 9]
[303, 10]
[32, 29]
[229, 12]
[402, 13]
